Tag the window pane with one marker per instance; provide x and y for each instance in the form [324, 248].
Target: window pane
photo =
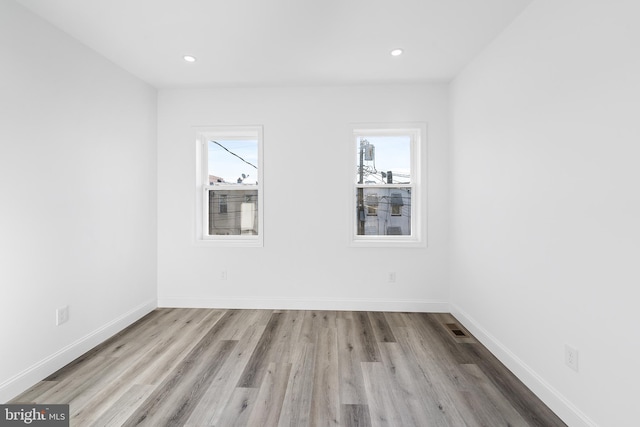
[383, 211]
[383, 160]
[233, 161]
[233, 212]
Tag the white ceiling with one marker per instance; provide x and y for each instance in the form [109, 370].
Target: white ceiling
[283, 42]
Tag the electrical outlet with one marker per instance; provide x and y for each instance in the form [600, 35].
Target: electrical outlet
[223, 275]
[392, 277]
[62, 315]
[571, 357]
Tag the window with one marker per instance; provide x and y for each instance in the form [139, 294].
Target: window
[396, 205]
[230, 185]
[387, 185]
[371, 204]
[222, 207]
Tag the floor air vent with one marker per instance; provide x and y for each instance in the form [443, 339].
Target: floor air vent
[456, 330]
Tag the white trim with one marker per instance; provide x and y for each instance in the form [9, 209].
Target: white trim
[418, 133]
[559, 404]
[338, 304]
[47, 366]
[204, 133]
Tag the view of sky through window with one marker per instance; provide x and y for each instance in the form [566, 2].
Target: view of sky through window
[234, 160]
[390, 153]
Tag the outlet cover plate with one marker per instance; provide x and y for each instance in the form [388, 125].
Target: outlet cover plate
[62, 315]
[571, 357]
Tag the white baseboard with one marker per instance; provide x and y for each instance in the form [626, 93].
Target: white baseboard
[552, 398]
[30, 376]
[362, 304]
[568, 412]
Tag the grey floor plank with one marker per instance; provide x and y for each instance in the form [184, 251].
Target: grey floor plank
[296, 408]
[395, 318]
[118, 413]
[412, 400]
[213, 402]
[325, 400]
[286, 337]
[381, 327]
[174, 400]
[351, 383]
[489, 405]
[207, 367]
[177, 396]
[528, 405]
[367, 339]
[439, 395]
[383, 410]
[355, 416]
[86, 362]
[237, 410]
[257, 364]
[147, 367]
[266, 411]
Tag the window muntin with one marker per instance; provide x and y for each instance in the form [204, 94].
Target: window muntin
[231, 185]
[387, 180]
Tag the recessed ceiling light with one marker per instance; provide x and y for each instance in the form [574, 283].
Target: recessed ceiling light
[189, 58]
[396, 52]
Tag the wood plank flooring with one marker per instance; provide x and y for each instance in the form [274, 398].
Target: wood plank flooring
[204, 367]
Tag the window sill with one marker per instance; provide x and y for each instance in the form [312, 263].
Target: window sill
[231, 242]
[377, 242]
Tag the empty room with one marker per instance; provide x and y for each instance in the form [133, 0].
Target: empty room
[357, 213]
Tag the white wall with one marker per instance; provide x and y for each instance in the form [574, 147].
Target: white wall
[306, 261]
[544, 207]
[77, 198]
[546, 203]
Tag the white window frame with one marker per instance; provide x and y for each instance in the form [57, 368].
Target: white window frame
[417, 133]
[203, 136]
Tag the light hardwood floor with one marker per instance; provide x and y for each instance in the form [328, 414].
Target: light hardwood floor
[203, 367]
